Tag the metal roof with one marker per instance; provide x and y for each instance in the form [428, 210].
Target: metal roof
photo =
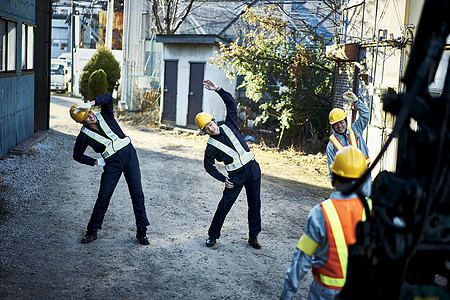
[190, 39]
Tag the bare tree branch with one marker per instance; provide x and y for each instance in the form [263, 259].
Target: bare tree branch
[155, 8]
[166, 15]
[186, 12]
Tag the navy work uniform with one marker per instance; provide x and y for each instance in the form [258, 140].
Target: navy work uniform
[120, 157]
[230, 148]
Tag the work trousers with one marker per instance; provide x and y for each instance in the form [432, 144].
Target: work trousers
[124, 161]
[250, 178]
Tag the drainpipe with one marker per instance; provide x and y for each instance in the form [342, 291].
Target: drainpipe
[362, 21]
[372, 68]
[373, 37]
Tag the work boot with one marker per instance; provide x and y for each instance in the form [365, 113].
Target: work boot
[210, 242]
[142, 237]
[91, 235]
[254, 243]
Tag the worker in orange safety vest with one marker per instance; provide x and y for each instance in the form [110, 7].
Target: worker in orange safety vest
[345, 135]
[329, 229]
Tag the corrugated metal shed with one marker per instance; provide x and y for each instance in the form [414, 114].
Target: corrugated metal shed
[24, 89]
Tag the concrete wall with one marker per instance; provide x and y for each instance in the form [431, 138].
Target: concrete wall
[16, 87]
[186, 53]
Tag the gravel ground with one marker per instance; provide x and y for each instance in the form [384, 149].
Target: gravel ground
[46, 199]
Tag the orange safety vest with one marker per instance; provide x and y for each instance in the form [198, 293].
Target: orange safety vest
[352, 138]
[341, 217]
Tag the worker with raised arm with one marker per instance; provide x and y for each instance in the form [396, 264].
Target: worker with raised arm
[226, 144]
[344, 135]
[102, 132]
[330, 229]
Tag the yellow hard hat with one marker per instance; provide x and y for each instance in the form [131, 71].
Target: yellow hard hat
[349, 162]
[80, 116]
[337, 115]
[201, 119]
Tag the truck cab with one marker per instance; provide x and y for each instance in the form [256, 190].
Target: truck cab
[58, 81]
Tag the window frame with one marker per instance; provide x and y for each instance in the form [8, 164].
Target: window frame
[8, 46]
[27, 63]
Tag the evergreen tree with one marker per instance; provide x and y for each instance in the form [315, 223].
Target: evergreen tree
[98, 84]
[105, 60]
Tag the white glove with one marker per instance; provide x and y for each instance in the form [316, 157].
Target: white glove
[101, 162]
[82, 107]
[350, 97]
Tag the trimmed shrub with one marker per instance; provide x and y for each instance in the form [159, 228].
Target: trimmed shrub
[98, 84]
[105, 60]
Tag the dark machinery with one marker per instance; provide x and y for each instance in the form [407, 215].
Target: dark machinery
[403, 251]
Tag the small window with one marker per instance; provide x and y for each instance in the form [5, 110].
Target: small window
[2, 45]
[145, 27]
[8, 37]
[27, 47]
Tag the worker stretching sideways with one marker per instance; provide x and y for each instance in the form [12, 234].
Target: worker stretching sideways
[102, 132]
[226, 144]
[345, 135]
[329, 230]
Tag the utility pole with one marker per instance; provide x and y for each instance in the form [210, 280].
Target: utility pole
[91, 43]
[72, 25]
[109, 24]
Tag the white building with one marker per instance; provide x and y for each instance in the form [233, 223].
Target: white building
[185, 66]
[60, 35]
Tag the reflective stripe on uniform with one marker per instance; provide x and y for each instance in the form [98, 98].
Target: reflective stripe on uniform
[353, 141]
[341, 245]
[240, 156]
[230, 152]
[99, 138]
[112, 144]
[307, 245]
[352, 138]
[341, 217]
[369, 203]
[337, 144]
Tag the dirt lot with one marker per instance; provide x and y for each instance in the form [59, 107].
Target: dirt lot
[46, 200]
